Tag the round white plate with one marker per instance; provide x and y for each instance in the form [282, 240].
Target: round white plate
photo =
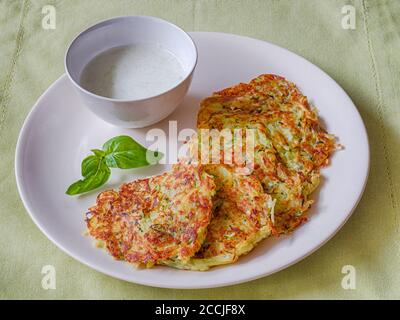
[59, 132]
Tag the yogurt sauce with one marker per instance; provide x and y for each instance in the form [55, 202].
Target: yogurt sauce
[132, 72]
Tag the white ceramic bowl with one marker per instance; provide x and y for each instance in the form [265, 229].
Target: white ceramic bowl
[122, 31]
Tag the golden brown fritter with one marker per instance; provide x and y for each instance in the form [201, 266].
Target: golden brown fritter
[290, 146]
[152, 220]
[241, 219]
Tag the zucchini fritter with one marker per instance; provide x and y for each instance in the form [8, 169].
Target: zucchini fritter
[290, 146]
[241, 219]
[152, 220]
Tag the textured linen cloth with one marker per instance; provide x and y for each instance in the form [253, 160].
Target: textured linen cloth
[364, 61]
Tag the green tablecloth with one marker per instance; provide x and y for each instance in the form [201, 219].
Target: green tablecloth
[364, 61]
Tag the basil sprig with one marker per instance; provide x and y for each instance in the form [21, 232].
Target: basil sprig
[119, 152]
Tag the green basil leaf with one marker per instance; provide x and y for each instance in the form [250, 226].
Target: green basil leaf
[122, 143]
[125, 153]
[92, 178]
[126, 159]
[132, 158]
[119, 152]
[99, 153]
[90, 165]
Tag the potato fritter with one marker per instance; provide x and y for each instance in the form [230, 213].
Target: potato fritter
[152, 220]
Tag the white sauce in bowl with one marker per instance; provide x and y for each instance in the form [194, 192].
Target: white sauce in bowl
[132, 72]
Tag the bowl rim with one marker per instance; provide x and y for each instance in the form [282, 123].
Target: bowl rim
[120, 18]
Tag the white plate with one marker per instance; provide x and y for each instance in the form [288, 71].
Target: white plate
[59, 132]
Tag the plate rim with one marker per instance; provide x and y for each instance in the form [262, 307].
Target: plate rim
[24, 198]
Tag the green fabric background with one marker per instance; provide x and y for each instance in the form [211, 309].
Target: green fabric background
[364, 61]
